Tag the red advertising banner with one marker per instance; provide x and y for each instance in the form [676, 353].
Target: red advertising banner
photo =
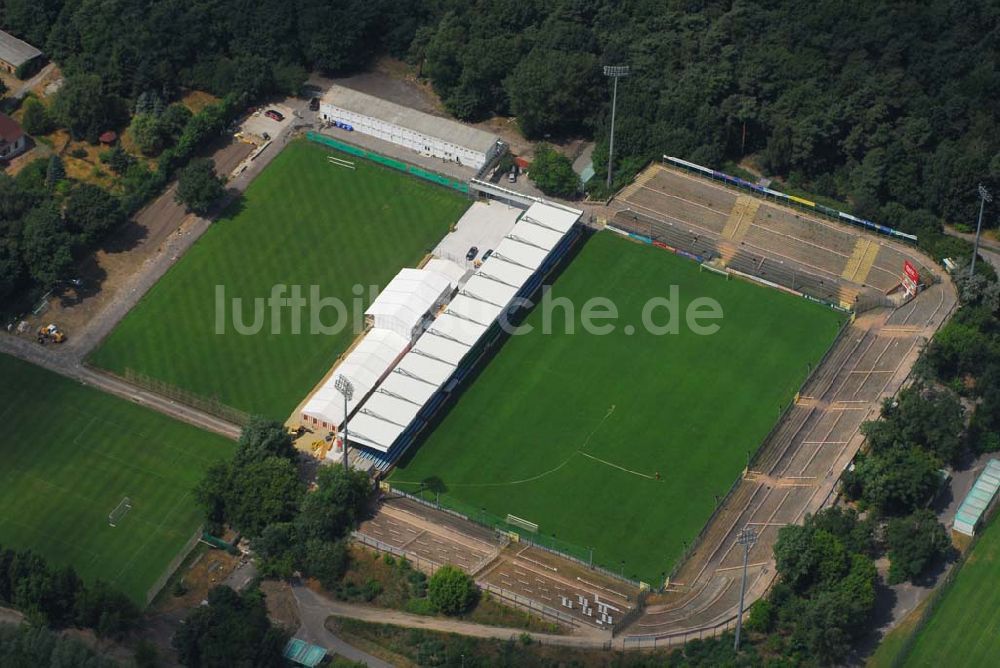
[911, 271]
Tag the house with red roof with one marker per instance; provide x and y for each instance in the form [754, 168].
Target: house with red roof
[13, 141]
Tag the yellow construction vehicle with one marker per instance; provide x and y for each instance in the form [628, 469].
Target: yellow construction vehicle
[50, 333]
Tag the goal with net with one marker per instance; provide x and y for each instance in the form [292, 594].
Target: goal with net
[116, 515]
[516, 521]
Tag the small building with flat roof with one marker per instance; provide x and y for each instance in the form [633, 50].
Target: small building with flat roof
[354, 111]
[15, 52]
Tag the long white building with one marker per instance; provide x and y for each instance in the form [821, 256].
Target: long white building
[354, 111]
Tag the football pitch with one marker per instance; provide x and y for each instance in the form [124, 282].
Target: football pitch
[303, 222]
[69, 454]
[964, 630]
[621, 442]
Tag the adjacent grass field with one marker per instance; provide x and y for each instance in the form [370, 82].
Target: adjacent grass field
[302, 221]
[68, 454]
[569, 431]
[964, 630]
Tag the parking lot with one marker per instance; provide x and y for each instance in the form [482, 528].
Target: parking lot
[484, 225]
[259, 128]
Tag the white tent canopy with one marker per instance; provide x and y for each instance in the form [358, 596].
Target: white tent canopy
[364, 367]
[409, 296]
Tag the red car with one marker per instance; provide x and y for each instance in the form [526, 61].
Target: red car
[274, 115]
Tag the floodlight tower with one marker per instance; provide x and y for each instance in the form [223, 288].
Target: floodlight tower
[346, 388]
[615, 72]
[747, 537]
[984, 197]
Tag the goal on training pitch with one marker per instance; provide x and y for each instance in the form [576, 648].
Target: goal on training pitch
[516, 521]
[116, 515]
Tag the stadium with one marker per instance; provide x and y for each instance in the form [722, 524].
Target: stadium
[557, 417]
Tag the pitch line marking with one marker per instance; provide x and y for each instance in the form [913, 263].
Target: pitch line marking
[620, 468]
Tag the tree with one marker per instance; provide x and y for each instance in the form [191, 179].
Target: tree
[336, 506]
[46, 246]
[451, 590]
[895, 482]
[262, 492]
[262, 437]
[553, 92]
[86, 109]
[553, 173]
[232, 630]
[326, 561]
[109, 612]
[199, 187]
[92, 212]
[147, 132]
[55, 172]
[35, 119]
[915, 542]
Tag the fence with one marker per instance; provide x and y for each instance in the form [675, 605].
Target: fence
[173, 566]
[212, 406]
[433, 177]
[518, 601]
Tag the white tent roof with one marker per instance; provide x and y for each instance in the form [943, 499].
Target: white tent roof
[363, 366]
[453, 272]
[387, 413]
[408, 296]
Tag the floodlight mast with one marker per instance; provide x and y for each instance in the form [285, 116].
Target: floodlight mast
[984, 197]
[615, 72]
[346, 388]
[747, 537]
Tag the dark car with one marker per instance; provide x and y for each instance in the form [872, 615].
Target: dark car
[274, 115]
[471, 255]
[314, 104]
[486, 255]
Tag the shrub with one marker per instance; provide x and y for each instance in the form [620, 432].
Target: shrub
[451, 590]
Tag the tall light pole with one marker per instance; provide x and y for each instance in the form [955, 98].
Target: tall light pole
[346, 388]
[984, 197]
[747, 538]
[615, 72]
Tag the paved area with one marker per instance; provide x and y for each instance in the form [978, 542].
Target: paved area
[484, 226]
[314, 610]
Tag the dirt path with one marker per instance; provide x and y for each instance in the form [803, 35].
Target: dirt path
[313, 607]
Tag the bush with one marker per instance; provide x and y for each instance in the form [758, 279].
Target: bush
[451, 590]
[35, 119]
[420, 606]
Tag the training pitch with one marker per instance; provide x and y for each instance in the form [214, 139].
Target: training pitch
[571, 430]
[69, 454]
[962, 630]
[303, 221]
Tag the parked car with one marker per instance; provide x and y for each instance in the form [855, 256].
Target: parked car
[471, 255]
[486, 255]
[274, 115]
[512, 177]
[314, 104]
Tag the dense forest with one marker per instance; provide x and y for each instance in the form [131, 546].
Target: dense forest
[888, 105]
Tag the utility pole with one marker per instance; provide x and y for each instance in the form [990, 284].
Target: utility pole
[615, 72]
[747, 538]
[984, 197]
[346, 388]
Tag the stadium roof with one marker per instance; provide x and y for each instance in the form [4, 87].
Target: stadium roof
[363, 366]
[446, 268]
[978, 499]
[432, 360]
[442, 129]
[15, 51]
[401, 306]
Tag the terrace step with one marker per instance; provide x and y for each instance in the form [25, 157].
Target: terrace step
[741, 217]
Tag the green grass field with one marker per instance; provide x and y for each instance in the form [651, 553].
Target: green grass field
[68, 454]
[302, 222]
[569, 431]
[964, 630]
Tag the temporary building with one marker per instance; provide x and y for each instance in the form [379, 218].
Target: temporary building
[407, 300]
[978, 500]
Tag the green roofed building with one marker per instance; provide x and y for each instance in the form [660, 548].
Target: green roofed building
[979, 498]
[303, 653]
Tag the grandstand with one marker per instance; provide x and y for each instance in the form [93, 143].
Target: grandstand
[827, 260]
[405, 401]
[414, 354]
